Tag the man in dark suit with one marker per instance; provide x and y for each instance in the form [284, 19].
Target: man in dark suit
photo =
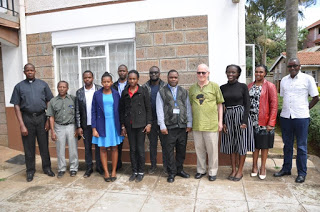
[83, 121]
[120, 85]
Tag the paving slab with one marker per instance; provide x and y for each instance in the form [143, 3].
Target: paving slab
[306, 193]
[220, 205]
[311, 208]
[119, 202]
[221, 190]
[274, 207]
[269, 192]
[181, 187]
[159, 204]
[11, 188]
[145, 187]
[33, 196]
[74, 199]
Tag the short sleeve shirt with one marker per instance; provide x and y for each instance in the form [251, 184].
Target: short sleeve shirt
[204, 106]
[62, 109]
[31, 95]
[295, 92]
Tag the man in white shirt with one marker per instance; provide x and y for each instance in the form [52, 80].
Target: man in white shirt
[295, 118]
[83, 121]
[121, 85]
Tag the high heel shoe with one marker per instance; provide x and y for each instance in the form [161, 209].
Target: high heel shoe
[252, 174]
[262, 177]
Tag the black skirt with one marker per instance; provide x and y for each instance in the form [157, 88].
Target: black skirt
[263, 139]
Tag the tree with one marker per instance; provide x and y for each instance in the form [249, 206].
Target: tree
[292, 11]
[271, 46]
[273, 10]
[292, 8]
[265, 10]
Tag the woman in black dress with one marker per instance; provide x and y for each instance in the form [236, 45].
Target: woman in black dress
[237, 135]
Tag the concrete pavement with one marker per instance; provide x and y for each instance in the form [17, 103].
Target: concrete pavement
[154, 193]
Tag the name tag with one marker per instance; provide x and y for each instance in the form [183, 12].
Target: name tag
[176, 111]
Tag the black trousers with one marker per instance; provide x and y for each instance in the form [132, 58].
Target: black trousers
[35, 126]
[87, 134]
[153, 139]
[137, 153]
[119, 165]
[176, 139]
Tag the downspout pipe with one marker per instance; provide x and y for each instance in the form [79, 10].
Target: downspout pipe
[23, 35]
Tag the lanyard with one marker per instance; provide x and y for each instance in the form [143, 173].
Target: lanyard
[174, 94]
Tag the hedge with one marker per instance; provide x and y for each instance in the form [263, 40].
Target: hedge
[314, 127]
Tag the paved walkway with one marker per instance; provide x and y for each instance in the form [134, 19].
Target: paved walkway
[154, 193]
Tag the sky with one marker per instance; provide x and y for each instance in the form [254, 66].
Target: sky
[311, 15]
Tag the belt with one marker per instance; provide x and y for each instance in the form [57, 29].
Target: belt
[34, 114]
[65, 124]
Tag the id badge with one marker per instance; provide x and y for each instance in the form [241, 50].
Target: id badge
[176, 111]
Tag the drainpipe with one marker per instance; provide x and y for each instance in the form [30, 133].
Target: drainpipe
[23, 35]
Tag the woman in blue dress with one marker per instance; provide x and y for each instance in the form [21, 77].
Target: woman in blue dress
[106, 128]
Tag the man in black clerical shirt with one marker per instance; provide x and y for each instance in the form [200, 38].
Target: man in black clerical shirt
[30, 98]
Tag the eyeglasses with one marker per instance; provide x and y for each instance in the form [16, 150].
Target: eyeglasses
[203, 73]
[292, 66]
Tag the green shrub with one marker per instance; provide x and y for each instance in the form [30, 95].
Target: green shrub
[314, 127]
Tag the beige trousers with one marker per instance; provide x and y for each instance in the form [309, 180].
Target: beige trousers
[206, 142]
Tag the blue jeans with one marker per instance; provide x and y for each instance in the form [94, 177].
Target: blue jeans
[299, 129]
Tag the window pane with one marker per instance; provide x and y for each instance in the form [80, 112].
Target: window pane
[97, 66]
[67, 59]
[120, 53]
[93, 51]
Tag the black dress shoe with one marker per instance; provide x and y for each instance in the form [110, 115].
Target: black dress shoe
[88, 173]
[300, 179]
[49, 172]
[199, 175]
[60, 174]
[73, 173]
[100, 171]
[170, 179]
[30, 177]
[212, 178]
[107, 179]
[139, 178]
[133, 177]
[281, 173]
[183, 174]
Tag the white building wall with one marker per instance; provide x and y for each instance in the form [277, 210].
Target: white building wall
[225, 25]
[43, 5]
[12, 69]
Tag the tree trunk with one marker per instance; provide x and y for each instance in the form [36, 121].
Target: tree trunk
[291, 28]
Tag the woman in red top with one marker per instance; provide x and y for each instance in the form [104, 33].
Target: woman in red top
[263, 113]
[136, 119]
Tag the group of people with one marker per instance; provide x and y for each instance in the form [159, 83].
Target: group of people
[103, 116]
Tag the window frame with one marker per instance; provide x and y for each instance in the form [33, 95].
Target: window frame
[89, 44]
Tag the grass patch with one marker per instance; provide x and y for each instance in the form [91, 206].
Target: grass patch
[2, 179]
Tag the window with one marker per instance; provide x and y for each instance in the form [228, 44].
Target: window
[314, 74]
[72, 61]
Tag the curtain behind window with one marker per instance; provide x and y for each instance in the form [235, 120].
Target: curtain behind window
[120, 53]
[67, 59]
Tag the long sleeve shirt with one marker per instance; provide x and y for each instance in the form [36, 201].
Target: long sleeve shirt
[160, 113]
